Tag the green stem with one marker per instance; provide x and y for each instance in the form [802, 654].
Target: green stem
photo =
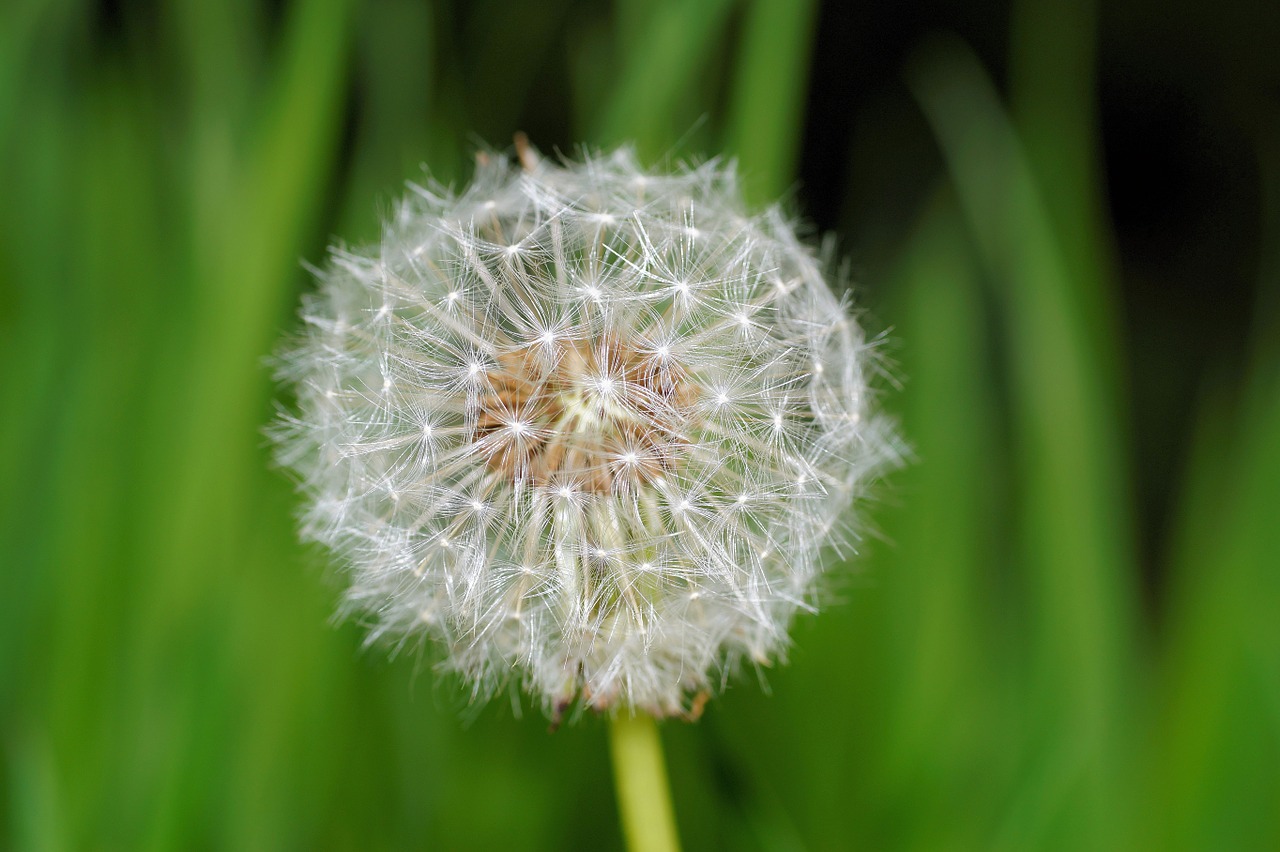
[640, 776]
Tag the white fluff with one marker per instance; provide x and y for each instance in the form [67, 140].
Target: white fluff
[583, 425]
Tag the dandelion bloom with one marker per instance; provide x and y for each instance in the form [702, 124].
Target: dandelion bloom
[584, 425]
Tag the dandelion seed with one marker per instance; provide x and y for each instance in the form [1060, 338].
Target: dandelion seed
[607, 448]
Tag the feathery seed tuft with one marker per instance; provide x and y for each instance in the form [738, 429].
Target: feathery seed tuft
[584, 425]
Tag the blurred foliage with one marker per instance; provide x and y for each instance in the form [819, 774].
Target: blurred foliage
[990, 678]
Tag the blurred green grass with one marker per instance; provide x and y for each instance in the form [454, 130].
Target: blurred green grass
[169, 674]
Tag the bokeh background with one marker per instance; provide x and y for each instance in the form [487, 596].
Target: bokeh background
[1063, 631]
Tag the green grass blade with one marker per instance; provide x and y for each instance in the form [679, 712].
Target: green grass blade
[765, 118]
[1074, 517]
[1215, 765]
[662, 66]
[1054, 104]
[945, 630]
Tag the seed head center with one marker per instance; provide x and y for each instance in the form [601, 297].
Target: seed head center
[606, 415]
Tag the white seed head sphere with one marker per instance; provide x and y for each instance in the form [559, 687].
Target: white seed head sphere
[584, 425]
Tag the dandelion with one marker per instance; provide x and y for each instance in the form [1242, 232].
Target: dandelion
[583, 425]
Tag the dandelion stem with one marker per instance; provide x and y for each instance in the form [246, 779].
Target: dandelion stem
[640, 776]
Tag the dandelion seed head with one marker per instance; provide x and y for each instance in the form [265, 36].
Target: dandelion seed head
[572, 437]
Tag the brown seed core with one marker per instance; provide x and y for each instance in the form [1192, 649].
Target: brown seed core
[604, 415]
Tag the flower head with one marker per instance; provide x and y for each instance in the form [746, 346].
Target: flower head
[584, 424]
